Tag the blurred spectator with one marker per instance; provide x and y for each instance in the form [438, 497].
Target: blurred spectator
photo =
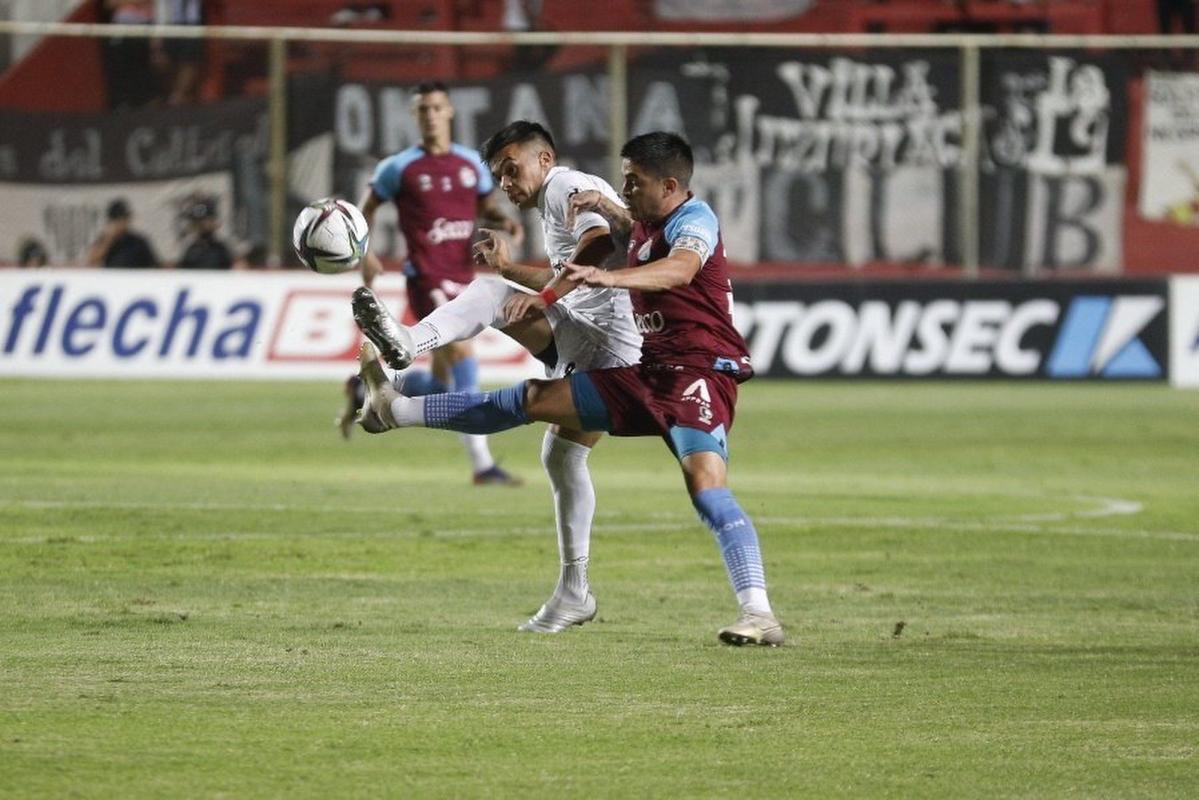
[1170, 10]
[32, 253]
[728, 10]
[118, 245]
[252, 255]
[521, 15]
[127, 61]
[205, 250]
[182, 60]
[359, 14]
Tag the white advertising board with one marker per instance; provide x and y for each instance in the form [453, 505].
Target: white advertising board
[1184, 331]
[105, 323]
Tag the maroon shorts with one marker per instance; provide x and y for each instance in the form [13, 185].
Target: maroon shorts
[677, 403]
[426, 294]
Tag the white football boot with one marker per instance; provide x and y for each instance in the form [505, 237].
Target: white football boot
[558, 614]
[376, 323]
[379, 392]
[753, 628]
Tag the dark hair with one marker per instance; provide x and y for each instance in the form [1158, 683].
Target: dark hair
[118, 209]
[31, 253]
[662, 154]
[428, 87]
[517, 132]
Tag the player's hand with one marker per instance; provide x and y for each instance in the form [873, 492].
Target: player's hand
[589, 276]
[589, 200]
[522, 306]
[492, 250]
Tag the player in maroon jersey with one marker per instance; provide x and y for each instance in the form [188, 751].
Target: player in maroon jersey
[439, 188]
[685, 388]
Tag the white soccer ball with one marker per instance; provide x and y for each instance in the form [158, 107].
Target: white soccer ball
[330, 236]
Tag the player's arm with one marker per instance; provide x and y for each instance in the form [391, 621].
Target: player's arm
[593, 248]
[371, 266]
[494, 251]
[678, 268]
[620, 222]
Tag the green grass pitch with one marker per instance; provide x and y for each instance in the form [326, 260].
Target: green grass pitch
[991, 590]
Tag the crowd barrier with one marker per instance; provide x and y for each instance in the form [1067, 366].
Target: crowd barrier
[245, 325]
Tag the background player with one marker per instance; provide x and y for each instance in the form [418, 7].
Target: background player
[589, 329]
[439, 189]
[684, 389]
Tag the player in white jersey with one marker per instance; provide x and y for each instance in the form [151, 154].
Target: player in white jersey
[586, 329]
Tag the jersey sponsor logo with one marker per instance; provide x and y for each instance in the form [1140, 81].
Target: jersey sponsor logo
[451, 230]
[468, 178]
[1080, 337]
[653, 322]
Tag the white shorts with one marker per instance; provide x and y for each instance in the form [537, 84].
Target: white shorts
[585, 342]
[593, 329]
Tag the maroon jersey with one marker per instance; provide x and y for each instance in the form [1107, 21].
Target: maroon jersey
[692, 325]
[437, 198]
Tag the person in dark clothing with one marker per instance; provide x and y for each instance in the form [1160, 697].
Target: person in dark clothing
[118, 245]
[205, 251]
[1182, 10]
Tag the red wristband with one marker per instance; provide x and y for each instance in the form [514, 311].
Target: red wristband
[548, 295]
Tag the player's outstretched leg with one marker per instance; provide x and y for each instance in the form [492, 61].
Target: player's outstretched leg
[393, 340]
[465, 412]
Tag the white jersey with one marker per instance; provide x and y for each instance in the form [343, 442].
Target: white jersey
[600, 331]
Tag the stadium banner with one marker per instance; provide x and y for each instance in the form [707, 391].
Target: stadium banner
[1170, 176]
[109, 323]
[1059, 330]
[1184, 331]
[59, 172]
[1054, 167]
[824, 157]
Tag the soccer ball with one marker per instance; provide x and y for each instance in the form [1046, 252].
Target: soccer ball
[330, 236]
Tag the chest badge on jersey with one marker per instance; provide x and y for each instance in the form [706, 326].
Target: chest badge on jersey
[467, 177]
[643, 253]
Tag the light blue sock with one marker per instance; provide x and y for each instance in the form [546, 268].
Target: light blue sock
[419, 382]
[477, 412]
[738, 545]
[464, 374]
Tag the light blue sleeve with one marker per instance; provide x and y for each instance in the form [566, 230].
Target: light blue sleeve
[386, 181]
[486, 185]
[696, 220]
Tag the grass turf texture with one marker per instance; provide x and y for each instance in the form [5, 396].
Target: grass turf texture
[207, 593]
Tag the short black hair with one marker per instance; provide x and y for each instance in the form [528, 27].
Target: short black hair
[662, 154]
[428, 87]
[518, 132]
[118, 209]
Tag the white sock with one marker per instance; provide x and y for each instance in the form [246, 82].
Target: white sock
[574, 507]
[478, 451]
[408, 412]
[755, 601]
[480, 305]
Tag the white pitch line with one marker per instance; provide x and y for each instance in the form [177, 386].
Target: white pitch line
[1034, 524]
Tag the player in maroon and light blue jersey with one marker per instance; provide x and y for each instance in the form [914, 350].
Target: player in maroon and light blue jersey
[439, 189]
[685, 388]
